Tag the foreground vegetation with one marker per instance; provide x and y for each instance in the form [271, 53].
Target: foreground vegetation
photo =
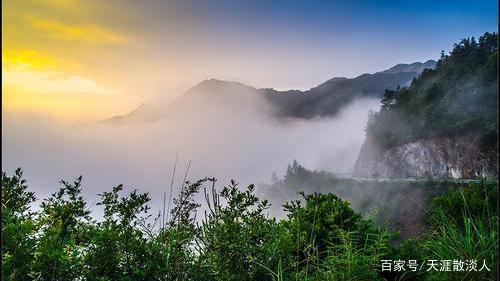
[321, 238]
[397, 204]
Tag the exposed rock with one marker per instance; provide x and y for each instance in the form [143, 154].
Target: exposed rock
[457, 157]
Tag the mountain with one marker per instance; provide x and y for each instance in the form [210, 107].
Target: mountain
[414, 67]
[444, 124]
[323, 100]
[329, 97]
[143, 113]
[214, 92]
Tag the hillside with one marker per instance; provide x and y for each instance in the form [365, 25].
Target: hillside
[329, 97]
[444, 124]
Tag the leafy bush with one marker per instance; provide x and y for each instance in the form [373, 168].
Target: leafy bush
[332, 241]
[321, 238]
[18, 228]
[237, 241]
[476, 200]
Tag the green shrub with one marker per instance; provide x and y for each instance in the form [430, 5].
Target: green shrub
[476, 200]
[18, 228]
[237, 241]
[332, 241]
[322, 238]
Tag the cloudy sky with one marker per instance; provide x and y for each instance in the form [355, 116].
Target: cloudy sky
[87, 60]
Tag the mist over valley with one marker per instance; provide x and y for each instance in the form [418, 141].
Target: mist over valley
[257, 140]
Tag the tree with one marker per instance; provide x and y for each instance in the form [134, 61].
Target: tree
[18, 228]
[389, 99]
[63, 220]
[236, 238]
[119, 244]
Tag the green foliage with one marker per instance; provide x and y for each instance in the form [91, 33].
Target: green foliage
[236, 238]
[464, 225]
[356, 256]
[332, 241]
[62, 221]
[473, 239]
[322, 237]
[176, 243]
[459, 96]
[476, 200]
[18, 228]
[118, 244]
[395, 204]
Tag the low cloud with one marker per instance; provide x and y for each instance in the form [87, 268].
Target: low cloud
[227, 142]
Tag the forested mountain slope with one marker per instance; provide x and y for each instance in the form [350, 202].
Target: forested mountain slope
[444, 124]
[329, 97]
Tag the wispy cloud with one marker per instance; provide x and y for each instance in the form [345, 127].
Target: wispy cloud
[29, 71]
[86, 33]
[37, 81]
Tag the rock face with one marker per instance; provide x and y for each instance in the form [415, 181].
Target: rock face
[457, 158]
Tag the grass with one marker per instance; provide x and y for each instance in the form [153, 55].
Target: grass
[472, 235]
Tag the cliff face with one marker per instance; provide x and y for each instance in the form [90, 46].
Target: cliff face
[457, 157]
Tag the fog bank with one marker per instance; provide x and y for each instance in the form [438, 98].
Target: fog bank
[239, 143]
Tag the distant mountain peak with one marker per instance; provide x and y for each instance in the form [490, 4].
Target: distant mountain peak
[216, 84]
[417, 67]
[142, 108]
[142, 113]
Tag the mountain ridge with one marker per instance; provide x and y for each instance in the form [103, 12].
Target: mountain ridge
[323, 100]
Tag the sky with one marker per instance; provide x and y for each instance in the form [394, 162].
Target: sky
[89, 60]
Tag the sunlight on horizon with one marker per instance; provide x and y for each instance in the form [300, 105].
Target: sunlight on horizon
[89, 60]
